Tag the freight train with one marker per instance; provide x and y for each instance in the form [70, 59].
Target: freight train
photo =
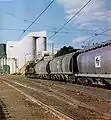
[91, 66]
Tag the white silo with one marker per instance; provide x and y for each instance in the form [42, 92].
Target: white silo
[28, 49]
[40, 41]
[41, 44]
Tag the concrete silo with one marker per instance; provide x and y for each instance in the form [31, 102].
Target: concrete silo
[26, 49]
[41, 44]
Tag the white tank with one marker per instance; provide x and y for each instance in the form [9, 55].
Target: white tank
[27, 50]
[41, 44]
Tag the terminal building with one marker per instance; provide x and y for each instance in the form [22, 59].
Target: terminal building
[27, 49]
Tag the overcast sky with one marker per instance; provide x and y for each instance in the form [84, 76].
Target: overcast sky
[94, 18]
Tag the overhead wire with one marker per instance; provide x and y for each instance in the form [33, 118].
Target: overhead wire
[55, 32]
[15, 16]
[96, 34]
[70, 19]
[68, 29]
[13, 29]
[37, 18]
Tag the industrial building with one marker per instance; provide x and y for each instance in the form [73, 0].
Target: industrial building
[27, 49]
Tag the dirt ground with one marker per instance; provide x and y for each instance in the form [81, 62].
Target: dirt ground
[20, 108]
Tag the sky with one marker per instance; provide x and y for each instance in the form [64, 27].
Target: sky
[17, 15]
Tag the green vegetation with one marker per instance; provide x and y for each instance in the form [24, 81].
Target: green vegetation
[65, 50]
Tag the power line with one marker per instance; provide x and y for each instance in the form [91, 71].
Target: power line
[105, 34]
[92, 37]
[96, 34]
[68, 29]
[70, 19]
[12, 29]
[15, 16]
[37, 18]
[64, 32]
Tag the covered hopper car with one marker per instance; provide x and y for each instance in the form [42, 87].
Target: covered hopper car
[95, 63]
[42, 70]
[90, 66]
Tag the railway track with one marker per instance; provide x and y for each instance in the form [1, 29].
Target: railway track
[92, 91]
[64, 100]
[48, 108]
[4, 114]
[55, 90]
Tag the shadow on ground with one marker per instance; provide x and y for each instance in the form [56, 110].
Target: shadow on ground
[2, 114]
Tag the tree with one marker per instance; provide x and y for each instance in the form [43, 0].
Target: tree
[65, 50]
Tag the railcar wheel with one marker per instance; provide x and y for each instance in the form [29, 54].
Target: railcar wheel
[85, 82]
[90, 81]
[79, 79]
[107, 85]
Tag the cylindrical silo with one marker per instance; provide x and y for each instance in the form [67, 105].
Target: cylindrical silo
[29, 47]
[28, 50]
[41, 44]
